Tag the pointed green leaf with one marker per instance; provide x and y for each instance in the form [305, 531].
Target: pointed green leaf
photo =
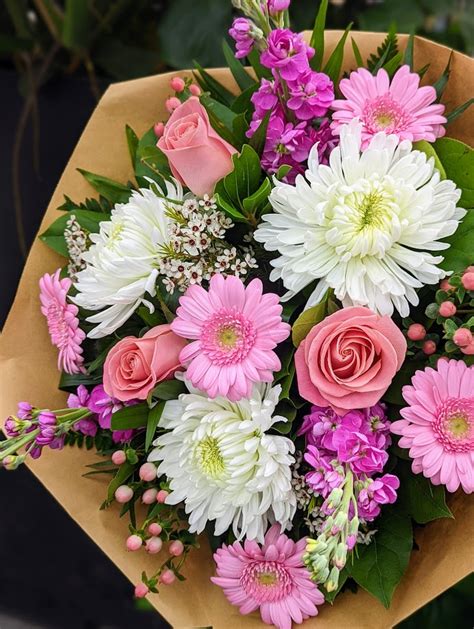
[408, 56]
[459, 110]
[257, 141]
[317, 36]
[243, 101]
[334, 64]
[54, 235]
[443, 79]
[357, 55]
[132, 143]
[229, 209]
[241, 76]
[257, 202]
[307, 320]
[261, 71]
[210, 84]
[154, 417]
[130, 417]
[114, 191]
[393, 64]
[169, 390]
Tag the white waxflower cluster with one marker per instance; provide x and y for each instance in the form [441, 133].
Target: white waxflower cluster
[196, 250]
[77, 244]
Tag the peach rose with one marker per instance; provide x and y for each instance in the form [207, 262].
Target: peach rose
[135, 365]
[197, 155]
[349, 359]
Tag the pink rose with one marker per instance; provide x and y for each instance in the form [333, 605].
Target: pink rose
[349, 359]
[135, 365]
[197, 155]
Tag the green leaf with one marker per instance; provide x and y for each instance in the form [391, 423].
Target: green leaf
[422, 500]
[261, 71]
[211, 85]
[229, 209]
[112, 190]
[334, 64]
[169, 390]
[387, 50]
[241, 76]
[307, 320]
[357, 54]
[317, 36]
[150, 161]
[429, 150]
[124, 472]
[258, 139]
[130, 417]
[459, 255]
[258, 201]
[408, 56]
[243, 101]
[458, 161]
[132, 143]
[70, 382]
[380, 565]
[282, 171]
[443, 79]
[459, 110]
[240, 127]
[221, 117]
[392, 65]
[54, 235]
[154, 417]
[244, 179]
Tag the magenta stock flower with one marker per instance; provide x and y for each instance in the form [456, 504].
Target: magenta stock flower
[241, 33]
[378, 491]
[104, 407]
[311, 95]
[400, 106]
[287, 53]
[271, 578]
[63, 324]
[275, 6]
[324, 477]
[438, 424]
[234, 330]
[80, 399]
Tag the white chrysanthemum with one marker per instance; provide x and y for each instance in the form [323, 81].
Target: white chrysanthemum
[221, 463]
[362, 225]
[123, 261]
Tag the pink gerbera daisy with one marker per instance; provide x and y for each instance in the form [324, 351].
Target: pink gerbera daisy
[235, 329]
[438, 426]
[63, 324]
[400, 107]
[272, 578]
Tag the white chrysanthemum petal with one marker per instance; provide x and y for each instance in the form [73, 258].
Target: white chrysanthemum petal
[221, 463]
[121, 264]
[364, 225]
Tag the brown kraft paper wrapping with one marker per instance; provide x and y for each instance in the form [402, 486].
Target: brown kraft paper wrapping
[28, 372]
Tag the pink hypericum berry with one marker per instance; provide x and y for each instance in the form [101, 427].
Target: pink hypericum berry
[177, 84]
[468, 280]
[468, 349]
[155, 528]
[445, 285]
[159, 129]
[447, 309]
[134, 542]
[123, 494]
[462, 337]
[149, 496]
[429, 347]
[167, 577]
[119, 457]
[147, 472]
[176, 548]
[172, 103]
[141, 590]
[416, 332]
[154, 545]
[195, 90]
[161, 496]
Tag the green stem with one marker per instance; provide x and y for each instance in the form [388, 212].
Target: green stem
[19, 443]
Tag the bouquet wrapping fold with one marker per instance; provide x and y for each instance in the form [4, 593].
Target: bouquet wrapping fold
[28, 370]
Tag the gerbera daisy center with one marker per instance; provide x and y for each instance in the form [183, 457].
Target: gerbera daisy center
[228, 336]
[454, 424]
[384, 114]
[266, 581]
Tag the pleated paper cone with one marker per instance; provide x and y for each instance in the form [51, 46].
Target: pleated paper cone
[28, 372]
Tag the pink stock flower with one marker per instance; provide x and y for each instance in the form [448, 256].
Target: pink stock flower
[63, 324]
[271, 578]
[287, 53]
[241, 33]
[235, 330]
[104, 407]
[324, 477]
[438, 424]
[378, 491]
[311, 95]
[398, 107]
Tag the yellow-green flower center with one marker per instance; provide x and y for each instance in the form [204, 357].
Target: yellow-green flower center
[267, 578]
[210, 458]
[372, 209]
[227, 336]
[458, 425]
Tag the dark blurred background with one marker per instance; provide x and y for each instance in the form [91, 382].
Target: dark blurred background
[56, 58]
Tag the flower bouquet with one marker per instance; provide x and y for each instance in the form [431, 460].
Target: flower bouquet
[264, 330]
